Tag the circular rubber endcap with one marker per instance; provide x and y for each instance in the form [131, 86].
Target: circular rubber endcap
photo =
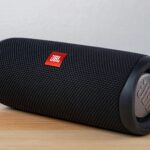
[142, 96]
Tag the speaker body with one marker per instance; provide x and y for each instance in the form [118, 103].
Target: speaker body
[93, 86]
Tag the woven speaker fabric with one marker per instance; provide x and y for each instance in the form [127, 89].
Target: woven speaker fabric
[85, 89]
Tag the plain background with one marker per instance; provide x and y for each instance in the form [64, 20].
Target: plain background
[117, 24]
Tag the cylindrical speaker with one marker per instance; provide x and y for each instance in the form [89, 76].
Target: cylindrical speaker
[95, 86]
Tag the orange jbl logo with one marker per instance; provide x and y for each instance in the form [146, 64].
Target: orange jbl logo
[55, 59]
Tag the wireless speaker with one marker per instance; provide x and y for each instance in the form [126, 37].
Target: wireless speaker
[100, 87]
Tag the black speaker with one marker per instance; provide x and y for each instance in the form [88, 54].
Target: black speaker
[100, 87]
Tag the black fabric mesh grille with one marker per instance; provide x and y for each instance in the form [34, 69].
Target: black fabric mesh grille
[85, 89]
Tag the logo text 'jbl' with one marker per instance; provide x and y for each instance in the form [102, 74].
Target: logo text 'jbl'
[55, 59]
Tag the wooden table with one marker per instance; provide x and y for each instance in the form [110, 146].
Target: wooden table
[25, 131]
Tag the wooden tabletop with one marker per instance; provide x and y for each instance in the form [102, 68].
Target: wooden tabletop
[25, 131]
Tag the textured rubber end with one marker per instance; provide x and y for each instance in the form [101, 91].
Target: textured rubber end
[134, 99]
[142, 96]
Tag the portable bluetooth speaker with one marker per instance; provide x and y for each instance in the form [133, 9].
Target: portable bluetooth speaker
[95, 86]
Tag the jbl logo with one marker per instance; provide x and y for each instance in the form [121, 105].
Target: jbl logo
[55, 59]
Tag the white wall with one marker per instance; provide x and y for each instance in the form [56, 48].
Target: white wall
[120, 24]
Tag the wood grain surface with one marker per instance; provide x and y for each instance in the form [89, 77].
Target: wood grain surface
[25, 131]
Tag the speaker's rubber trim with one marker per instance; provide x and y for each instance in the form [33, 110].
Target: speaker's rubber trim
[127, 100]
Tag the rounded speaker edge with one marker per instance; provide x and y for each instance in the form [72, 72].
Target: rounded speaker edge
[129, 118]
